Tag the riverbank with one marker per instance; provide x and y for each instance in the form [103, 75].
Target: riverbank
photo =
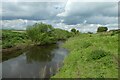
[13, 39]
[91, 56]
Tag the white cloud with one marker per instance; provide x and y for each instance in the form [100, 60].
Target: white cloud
[85, 16]
[21, 24]
[17, 24]
[59, 0]
[100, 13]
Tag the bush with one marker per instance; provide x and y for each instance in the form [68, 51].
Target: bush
[90, 32]
[40, 33]
[11, 38]
[97, 54]
[7, 45]
[113, 32]
[60, 34]
[73, 30]
[86, 44]
[102, 29]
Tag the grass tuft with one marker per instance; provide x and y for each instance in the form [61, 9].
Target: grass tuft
[97, 54]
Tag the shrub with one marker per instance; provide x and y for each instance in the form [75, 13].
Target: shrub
[10, 38]
[60, 34]
[102, 29]
[97, 54]
[90, 32]
[86, 44]
[73, 30]
[40, 33]
[77, 31]
[113, 32]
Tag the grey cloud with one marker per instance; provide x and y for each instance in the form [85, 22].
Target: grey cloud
[102, 13]
[59, 15]
[31, 10]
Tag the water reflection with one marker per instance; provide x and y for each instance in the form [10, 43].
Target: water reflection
[12, 54]
[37, 62]
[40, 54]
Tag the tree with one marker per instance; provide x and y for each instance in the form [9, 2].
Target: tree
[73, 30]
[40, 33]
[102, 29]
[77, 31]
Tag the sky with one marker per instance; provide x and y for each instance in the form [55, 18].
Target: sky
[84, 16]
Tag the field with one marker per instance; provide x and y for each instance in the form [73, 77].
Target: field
[91, 56]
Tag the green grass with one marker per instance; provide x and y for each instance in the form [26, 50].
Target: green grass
[13, 38]
[91, 56]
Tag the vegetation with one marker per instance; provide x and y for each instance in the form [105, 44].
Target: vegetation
[73, 30]
[60, 34]
[113, 32]
[102, 29]
[11, 38]
[91, 56]
[39, 34]
[42, 34]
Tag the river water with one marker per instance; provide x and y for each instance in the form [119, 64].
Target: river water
[36, 62]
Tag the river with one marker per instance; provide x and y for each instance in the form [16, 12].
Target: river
[36, 62]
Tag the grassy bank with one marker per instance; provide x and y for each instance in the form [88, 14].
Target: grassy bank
[91, 56]
[13, 38]
[37, 34]
[13, 42]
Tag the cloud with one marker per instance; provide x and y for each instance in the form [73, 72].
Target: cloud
[20, 24]
[31, 10]
[85, 16]
[102, 12]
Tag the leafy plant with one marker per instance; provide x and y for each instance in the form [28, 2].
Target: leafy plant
[60, 34]
[40, 33]
[102, 29]
[86, 44]
[97, 54]
[11, 38]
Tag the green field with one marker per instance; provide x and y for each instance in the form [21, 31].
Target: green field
[91, 56]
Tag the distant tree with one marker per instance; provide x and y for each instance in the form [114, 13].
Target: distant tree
[77, 31]
[90, 33]
[102, 29]
[73, 30]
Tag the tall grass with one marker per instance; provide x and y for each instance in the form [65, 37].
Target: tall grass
[11, 38]
[91, 56]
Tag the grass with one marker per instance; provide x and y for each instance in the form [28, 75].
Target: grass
[12, 38]
[91, 56]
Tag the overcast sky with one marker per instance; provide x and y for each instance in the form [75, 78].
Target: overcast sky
[85, 16]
